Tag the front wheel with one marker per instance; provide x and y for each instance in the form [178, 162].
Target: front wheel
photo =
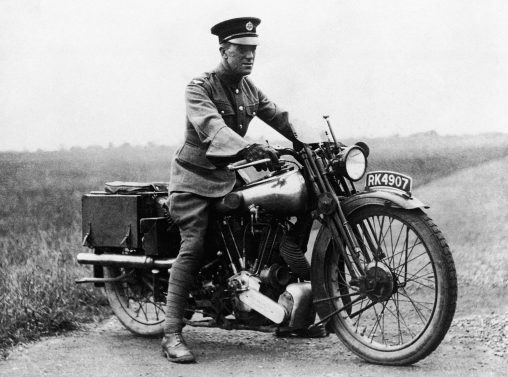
[399, 309]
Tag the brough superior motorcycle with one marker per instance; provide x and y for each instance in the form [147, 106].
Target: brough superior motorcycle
[381, 275]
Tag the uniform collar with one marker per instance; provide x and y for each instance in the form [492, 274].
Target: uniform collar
[226, 76]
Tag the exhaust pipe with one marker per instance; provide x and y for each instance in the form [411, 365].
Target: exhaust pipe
[127, 261]
[263, 305]
[247, 288]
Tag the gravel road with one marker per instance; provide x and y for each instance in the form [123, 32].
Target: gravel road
[474, 346]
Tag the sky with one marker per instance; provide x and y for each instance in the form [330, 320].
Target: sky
[99, 72]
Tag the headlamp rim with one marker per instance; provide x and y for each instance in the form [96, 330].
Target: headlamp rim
[343, 161]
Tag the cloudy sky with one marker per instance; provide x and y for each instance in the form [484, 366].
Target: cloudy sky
[100, 72]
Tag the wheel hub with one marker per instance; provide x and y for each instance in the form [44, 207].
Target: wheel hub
[379, 282]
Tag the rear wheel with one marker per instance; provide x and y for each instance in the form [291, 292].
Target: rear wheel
[138, 300]
[400, 309]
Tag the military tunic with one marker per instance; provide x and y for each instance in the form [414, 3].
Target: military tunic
[219, 109]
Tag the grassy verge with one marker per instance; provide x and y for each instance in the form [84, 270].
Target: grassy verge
[40, 234]
[38, 295]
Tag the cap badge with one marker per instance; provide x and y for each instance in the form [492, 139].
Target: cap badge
[249, 26]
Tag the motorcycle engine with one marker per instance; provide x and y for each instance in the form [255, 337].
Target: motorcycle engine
[263, 245]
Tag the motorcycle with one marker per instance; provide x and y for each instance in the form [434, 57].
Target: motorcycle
[380, 274]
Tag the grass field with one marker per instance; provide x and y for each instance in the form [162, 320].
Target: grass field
[40, 233]
[40, 221]
[476, 227]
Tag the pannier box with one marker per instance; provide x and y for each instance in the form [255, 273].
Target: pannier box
[111, 220]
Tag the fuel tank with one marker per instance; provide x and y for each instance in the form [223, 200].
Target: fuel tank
[282, 194]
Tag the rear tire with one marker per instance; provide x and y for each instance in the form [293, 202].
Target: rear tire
[401, 312]
[138, 302]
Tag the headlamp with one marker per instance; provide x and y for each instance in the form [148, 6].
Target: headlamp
[351, 162]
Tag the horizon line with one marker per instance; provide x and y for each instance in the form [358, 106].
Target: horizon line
[111, 145]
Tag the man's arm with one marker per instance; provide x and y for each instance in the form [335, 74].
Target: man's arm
[275, 117]
[202, 113]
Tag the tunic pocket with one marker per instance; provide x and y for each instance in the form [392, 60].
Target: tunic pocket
[250, 113]
[225, 109]
[227, 112]
[251, 110]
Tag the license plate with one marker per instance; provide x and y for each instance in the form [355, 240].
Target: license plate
[389, 179]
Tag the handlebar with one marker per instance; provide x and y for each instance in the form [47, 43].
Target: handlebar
[242, 164]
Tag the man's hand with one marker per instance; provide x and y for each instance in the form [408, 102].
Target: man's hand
[256, 152]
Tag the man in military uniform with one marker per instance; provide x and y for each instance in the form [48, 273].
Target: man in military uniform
[220, 105]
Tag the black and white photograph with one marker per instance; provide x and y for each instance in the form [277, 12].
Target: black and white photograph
[253, 188]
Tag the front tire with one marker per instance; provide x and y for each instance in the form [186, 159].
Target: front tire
[399, 312]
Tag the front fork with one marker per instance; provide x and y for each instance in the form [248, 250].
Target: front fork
[339, 226]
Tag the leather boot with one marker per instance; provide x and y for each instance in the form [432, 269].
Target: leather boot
[175, 349]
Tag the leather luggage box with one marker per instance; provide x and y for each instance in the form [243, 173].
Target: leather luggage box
[114, 220]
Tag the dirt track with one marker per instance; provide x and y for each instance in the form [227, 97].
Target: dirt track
[109, 350]
[477, 343]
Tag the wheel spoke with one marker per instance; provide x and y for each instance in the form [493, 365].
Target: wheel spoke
[357, 322]
[398, 239]
[137, 298]
[362, 310]
[416, 243]
[335, 312]
[417, 309]
[404, 323]
[335, 297]
[388, 229]
[396, 302]
[422, 279]
[403, 265]
[420, 270]
[404, 249]
[378, 323]
[421, 303]
[381, 235]
[423, 285]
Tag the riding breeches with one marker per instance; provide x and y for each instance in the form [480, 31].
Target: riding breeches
[190, 212]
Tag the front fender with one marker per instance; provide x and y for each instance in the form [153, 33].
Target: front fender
[380, 198]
